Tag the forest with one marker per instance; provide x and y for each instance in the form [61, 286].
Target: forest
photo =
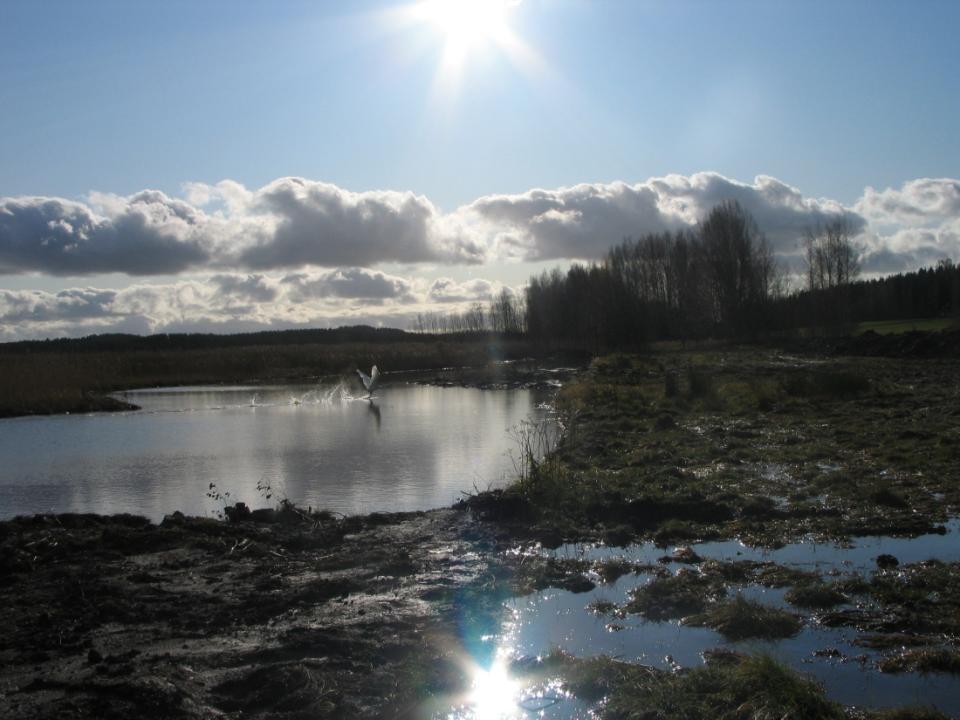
[721, 281]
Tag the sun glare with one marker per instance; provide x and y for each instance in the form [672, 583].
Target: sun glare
[467, 28]
[464, 35]
[467, 23]
[495, 693]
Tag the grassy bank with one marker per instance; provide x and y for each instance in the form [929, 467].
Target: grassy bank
[745, 443]
[56, 382]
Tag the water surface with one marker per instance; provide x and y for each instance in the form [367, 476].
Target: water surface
[542, 621]
[412, 447]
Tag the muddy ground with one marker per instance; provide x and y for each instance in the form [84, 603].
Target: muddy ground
[303, 616]
[290, 615]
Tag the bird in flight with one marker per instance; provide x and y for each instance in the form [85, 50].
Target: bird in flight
[370, 381]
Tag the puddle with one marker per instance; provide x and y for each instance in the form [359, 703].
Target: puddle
[809, 555]
[559, 619]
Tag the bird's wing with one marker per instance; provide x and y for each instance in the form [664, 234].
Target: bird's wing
[365, 378]
[374, 375]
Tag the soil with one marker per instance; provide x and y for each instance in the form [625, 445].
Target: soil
[304, 616]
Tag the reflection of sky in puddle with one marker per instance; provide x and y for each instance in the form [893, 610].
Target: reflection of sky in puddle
[807, 555]
[551, 619]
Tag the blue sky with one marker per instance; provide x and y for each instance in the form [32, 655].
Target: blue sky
[103, 100]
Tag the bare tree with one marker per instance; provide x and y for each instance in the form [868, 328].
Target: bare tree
[832, 258]
[740, 271]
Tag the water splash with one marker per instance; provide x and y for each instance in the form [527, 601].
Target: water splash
[323, 396]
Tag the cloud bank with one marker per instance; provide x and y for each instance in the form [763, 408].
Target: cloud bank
[290, 223]
[230, 302]
[585, 220]
[910, 227]
[294, 223]
[298, 252]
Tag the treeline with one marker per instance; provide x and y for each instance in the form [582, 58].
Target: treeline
[720, 279]
[926, 293]
[505, 314]
[119, 342]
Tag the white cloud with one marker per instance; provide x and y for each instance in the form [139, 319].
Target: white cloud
[234, 303]
[352, 283]
[289, 223]
[583, 221]
[251, 288]
[919, 202]
[911, 227]
[327, 239]
[314, 223]
[145, 234]
[910, 248]
[446, 290]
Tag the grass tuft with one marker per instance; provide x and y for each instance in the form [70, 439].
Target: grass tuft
[816, 595]
[923, 660]
[740, 619]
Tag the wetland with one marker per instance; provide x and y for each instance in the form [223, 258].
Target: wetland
[733, 532]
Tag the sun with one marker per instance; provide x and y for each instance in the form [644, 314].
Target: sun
[467, 28]
[465, 24]
[464, 33]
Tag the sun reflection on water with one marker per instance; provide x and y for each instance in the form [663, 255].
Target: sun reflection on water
[495, 694]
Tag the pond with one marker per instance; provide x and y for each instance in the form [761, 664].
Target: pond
[412, 447]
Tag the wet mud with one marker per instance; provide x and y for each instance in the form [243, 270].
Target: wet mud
[304, 616]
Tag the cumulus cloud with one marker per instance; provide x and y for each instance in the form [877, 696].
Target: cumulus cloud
[917, 202]
[351, 283]
[447, 290]
[577, 222]
[910, 248]
[585, 220]
[289, 223]
[910, 227]
[39, 307]
[298, 225]
[252, 288]
[145, 234]
[227, 302]
[314, 223]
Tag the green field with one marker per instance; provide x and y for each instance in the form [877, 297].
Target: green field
[895, 327]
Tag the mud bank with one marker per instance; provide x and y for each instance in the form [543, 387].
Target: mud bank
[305, 616]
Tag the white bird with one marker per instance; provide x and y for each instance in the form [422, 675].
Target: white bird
[370, 381]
